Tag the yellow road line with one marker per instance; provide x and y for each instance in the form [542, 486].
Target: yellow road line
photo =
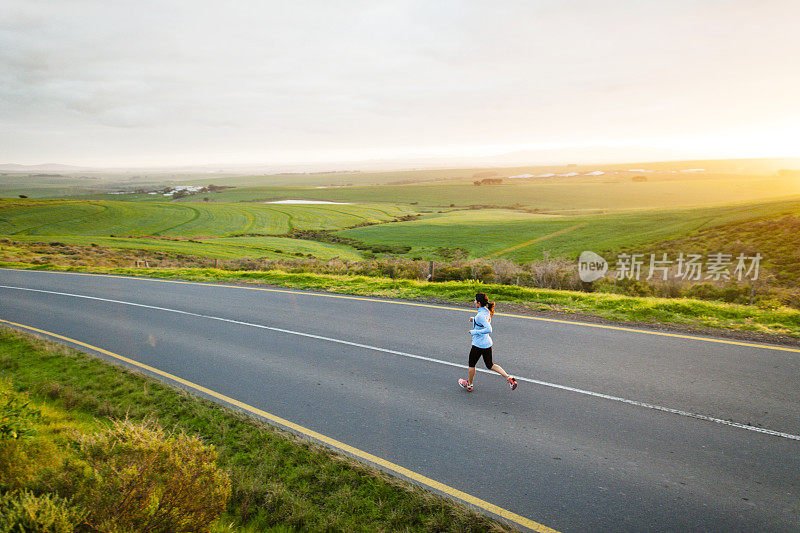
[447, 308]
[419, 478]
[538, 239]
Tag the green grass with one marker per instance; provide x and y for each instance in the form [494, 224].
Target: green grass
[263, 246]
[222, 248]
[253, 230]
[561, 195]
[280, 482]
[34, 186]
[699, 315]
[212, 228]
[775, 235]
[487, 232]
[215, 230]
[71, 217]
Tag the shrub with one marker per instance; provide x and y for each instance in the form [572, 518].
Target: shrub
[506, 272]
[769, 304]
[16, 417]
[634, 287]
[670, 288]
[731, 292]
[791, 298]
[554, 273]
[450, 272]
[22, 511]
[145, 479]
[25, 453]
[28, 463]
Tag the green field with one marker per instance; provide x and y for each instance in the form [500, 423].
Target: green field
[75, 217]
[775, 235]
[222, 248]
[235, 230]
[503, 233]
[560, 195]
[520, 220]
[203, 229]
[49, 184]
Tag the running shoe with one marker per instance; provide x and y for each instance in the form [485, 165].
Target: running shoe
[512, 382]
[465, 384]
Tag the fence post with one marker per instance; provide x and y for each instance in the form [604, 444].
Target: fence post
[430, 271]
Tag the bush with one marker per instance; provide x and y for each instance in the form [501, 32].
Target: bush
[144, 479]
[29, 463]
[791, 298]
[450, 272]
[25, 454]
[553, 273]
[731, 292]
[16, 417]
[634, 287]
[22, 511]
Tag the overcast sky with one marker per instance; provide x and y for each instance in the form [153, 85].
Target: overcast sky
[201, 82]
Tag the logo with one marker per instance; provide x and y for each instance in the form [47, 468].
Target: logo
[591, 267]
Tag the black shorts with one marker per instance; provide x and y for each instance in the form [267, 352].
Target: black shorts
[476, 353]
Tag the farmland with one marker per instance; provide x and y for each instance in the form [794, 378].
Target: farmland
[233, 230]
[493, 233]
[221, 248]
[563, 195]
[210, 230]
[439, 214]
[70, 217]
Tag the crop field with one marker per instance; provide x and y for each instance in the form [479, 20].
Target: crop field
[729, 167]
[221, 230]
[338, 179]
[559, 195]
[45, 187]
[520, 236]
[515, 220]
[104, 218]
[203, 229]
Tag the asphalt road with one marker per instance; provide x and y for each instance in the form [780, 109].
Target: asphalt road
[381, 376]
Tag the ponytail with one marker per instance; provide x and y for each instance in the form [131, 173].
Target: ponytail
[483, 301]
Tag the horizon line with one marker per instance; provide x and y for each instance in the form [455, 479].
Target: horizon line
[222, 167]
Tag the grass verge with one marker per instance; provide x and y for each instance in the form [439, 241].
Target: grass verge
[279, 481]
[767, 319]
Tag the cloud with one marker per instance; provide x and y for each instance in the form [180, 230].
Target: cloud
[182, 77]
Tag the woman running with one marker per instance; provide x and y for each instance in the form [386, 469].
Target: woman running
[482, 343]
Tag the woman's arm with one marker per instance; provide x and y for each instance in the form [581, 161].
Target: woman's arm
[481, 329]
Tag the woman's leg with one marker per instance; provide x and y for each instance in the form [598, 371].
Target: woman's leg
[511, 381]
[474, 356]
[487, 359]
[499, 369]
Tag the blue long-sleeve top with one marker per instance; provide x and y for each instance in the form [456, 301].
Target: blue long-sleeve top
[481, 329]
